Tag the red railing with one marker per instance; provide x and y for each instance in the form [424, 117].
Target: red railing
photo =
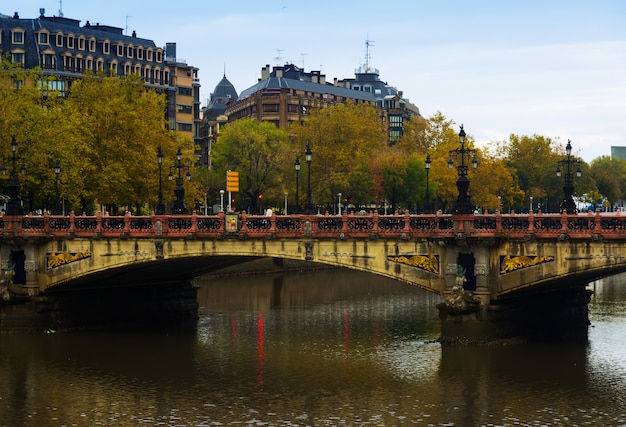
[359, 225]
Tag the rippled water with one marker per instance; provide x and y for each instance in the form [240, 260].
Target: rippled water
[322, 349]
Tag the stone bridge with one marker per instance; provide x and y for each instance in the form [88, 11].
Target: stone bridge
[491, 271]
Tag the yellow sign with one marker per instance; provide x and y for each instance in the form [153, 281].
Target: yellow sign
[232, 181]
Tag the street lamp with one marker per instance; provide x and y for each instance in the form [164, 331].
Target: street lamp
[160, 207]
[14, 205]
[297, 166]
[179, 191]
[308, 154]
[58, 209]
[221, 200]
[463, 203]
[568, 185]
[427, 208]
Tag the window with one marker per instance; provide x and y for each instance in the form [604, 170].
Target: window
[185, 109]
[70, 41]
[17, 36]
[81, 43]
[106, 47]
[43, 38]
[185, 127]
[140, 53]
[59, 40]
[184, 91]
[18, 58]
[120, 50]
[129, 51]
[47, 60]
[149, 53]
[270, 108]
[92, 45]
[159, 56]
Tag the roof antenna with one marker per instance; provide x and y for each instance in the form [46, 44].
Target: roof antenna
[61, 8]
[127, 16]
[368, 43]
[303, 55]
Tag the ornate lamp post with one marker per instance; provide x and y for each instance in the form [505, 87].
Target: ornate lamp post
[179, 191]
[14, 205]
[463, 203]
[308, 154]
[160, 207]
[568, 185]
[58, 209]
[427, 208]
[297, 166]
[222, 200]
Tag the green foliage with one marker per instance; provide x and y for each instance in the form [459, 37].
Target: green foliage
[258, 151]
[105, 133]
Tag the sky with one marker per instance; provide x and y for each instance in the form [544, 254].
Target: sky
[553, 68]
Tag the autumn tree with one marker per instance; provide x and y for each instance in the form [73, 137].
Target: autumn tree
[258, 151]
[344, 139]
[118, 129]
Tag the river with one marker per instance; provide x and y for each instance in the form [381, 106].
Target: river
[329, 348]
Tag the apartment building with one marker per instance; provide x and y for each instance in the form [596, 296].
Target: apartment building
[64, 48]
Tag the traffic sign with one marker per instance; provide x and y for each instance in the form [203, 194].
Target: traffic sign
[232, 181]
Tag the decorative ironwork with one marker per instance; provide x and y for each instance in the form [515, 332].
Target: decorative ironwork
[287, 224]
[613, 224]
[330, 224]
[56, 259]
[33, 224]
[179, 224]
[422, 224]
[86, 224]
[463, 203]
[548, 224]
[391, 224]
[423, 262]
[568, 203]
[509, 263]
[360, 224]
[258, 224]
[140, 224]
[59, 224]
[112, 224]
[485, 223]
[209, 224]
[581, 224]
[514, 223]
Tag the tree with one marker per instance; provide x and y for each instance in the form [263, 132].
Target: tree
[344, 138]
[610, 177]
[119, 124]
[258, 151]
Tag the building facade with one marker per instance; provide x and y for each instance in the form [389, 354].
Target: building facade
[63, 48]
[214, 117]
[284, 94]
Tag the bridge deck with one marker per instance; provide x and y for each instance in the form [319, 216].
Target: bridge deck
[371, 225]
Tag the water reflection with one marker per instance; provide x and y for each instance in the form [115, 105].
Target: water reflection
[329, 348]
